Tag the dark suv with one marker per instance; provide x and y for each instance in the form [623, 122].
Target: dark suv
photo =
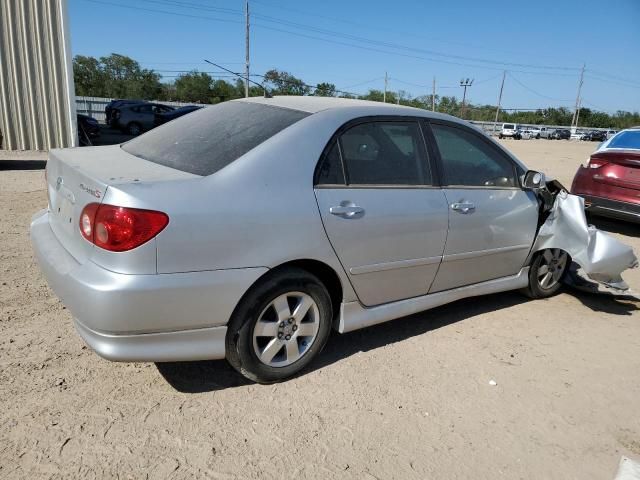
[136, 118]
[561, 134]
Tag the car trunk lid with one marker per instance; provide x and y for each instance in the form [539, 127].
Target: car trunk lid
[80, 176]
[620, 168]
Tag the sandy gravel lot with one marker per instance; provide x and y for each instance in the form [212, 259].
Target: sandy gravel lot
[408, 399]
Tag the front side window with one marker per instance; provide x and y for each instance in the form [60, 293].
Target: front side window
[468, 160]
[385, 153]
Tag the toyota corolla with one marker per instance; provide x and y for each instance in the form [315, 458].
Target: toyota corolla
[249, 229]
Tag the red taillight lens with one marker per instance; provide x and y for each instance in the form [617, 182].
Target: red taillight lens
[595, 162]
[119, 229]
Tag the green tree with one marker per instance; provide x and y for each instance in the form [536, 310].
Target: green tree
[284, 83]
[325, 89]
[194, 87]
[88, 76]
[115, 76]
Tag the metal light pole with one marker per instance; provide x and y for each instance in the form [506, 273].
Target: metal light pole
[465, 83]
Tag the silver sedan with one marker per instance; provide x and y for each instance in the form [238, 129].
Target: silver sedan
[250, 229]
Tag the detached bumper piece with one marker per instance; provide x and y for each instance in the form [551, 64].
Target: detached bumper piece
[601, 257]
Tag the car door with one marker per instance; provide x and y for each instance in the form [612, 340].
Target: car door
[492, 220]
[382, 212]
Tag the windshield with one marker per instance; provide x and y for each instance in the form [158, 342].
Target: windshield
[508, 126]
[209, 139]
[628, 139]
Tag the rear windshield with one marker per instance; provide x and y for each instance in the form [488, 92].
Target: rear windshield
[509, 126]
[630, 139]
[208, 140]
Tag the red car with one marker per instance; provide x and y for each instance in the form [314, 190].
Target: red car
[610, 182]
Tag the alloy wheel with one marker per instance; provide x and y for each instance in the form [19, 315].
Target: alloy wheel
[552, 266]
[286, 329]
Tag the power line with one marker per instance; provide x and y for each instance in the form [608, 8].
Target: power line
[379, 28]
[343, 35]
[534, 91]
[164, 11]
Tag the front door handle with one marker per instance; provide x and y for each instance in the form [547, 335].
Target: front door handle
[463, 207]
[346, 211]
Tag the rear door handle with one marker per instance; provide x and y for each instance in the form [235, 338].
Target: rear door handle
[463, 207]
[346, 211]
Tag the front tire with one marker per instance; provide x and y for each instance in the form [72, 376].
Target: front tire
[280, 325]
[547, 270]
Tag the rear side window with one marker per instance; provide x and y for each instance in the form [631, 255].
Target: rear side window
[629, 139]
[209, 139]
[385, 153]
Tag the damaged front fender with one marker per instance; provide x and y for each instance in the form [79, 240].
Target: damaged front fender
[599, 255]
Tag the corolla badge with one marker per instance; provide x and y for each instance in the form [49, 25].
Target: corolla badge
[91, 191]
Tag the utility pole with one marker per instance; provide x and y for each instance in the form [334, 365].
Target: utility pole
[246, 52]
[433, 95]
[465, 83]
[576, 112]
[495, 123]
[384, 95]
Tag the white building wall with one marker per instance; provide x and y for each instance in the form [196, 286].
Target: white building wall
[37, 96]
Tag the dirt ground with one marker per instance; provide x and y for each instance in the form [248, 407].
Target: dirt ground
[410, 399]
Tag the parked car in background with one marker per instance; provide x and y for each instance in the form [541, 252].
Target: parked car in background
[108, 109]
[510, 130]
[88, 127]
[610, 182]
[594, 136]
[546, 132]
[165, 117]
[598, 136]
[561, 134]
[527, 134]
[611, 133]
[535, 131]
[137, 118]
[251, 228]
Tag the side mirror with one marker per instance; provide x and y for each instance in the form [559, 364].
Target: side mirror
[534, 180]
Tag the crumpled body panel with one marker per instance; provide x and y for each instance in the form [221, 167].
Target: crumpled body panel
[601, 256]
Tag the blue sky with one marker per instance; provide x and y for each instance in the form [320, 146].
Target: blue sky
[541, 43]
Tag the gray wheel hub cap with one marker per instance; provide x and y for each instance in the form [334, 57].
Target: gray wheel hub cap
[552, 266]
[286, 329]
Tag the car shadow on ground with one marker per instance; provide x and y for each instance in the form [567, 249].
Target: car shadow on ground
[198, 377]
[22, 165]
[206, 376]
[605, 303]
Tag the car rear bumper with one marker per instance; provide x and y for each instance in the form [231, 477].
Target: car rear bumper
[162, 317]
[181, 345]
[612, 208]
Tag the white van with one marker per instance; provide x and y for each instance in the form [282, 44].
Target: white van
[510, 130]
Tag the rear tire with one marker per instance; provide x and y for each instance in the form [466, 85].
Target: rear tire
[547, 270]
[279, 327]
[134, 129]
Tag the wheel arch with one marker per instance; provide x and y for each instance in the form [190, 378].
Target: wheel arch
[325, 273]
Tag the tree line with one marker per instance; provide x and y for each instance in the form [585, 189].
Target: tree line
[118, 76]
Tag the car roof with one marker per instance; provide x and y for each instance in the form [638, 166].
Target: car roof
[311, 104]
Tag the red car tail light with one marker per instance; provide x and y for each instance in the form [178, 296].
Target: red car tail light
[119, 229]
[596, 162]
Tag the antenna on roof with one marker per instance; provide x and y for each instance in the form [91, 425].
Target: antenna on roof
[264, 89]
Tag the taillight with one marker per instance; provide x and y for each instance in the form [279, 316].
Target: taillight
[119, 229]
[595, 162]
